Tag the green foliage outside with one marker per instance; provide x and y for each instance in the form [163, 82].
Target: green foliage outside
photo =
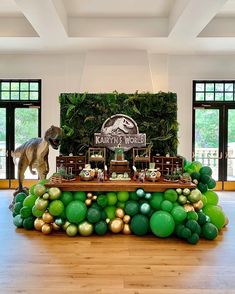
[83, 114]
[207, 128]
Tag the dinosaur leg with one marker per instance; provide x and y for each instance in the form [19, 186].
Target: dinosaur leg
[43, 171]
[22, 166]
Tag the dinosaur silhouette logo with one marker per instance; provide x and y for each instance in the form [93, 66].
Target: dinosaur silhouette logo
[120, 130]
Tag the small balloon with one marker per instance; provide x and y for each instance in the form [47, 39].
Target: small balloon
[89, 195]
[94, 197]
[188, 207]
[55, 227]
[85, 228]
[88, 202]
[198, 205]
[38, 223]
[46, 229]
[126, 219]
[148, 196]
[140, 193]
[126, 229]
[47, 217]
[119, 213]
[145, 208]
[116, 225]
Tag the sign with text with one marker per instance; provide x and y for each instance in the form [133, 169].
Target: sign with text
[120, 130]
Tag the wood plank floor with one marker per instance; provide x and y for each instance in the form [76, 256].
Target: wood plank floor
[31, 262]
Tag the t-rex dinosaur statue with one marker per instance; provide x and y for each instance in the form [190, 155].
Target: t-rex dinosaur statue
[34, 154]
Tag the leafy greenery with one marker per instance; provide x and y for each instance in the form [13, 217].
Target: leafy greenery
[83, 114]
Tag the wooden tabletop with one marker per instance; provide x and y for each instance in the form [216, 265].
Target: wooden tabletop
[109, 186]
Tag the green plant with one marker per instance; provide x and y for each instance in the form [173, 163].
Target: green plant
[82, 115]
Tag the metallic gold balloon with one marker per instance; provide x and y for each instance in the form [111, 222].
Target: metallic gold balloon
[85, 228]
[126, 229]
[119, 213]
[188, 207]
[47, 217]
[38, 223]
[198, 205]
[89, 195]
[94, 197]
[88, 202]
[116, 225]
[55, 227]
[47, 229]
[126, 219]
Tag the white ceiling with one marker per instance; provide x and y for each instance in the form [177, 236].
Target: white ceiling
[158, 26]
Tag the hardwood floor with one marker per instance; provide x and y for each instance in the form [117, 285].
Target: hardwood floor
[31, 262]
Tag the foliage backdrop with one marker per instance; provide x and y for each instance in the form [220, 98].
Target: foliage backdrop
[82, 115]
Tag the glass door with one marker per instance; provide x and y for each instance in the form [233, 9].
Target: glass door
[26, 127]
[207, 139]
[3, 147]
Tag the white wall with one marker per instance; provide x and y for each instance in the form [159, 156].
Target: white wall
[127, 71]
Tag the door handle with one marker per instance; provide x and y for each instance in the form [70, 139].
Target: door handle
[7, 153]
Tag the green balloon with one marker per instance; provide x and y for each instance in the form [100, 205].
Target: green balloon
[211, 197]
[209, 231]
[171, 195]
[179, 214]
[156, 200]
[101, 228]
[79, 195]
[76, 211]
[215, 214]
[93, 215]
[66, 197]
[139, 224]
[162, 224]
[18, 221]
[166, 205]
[110, 211]
[131, 207]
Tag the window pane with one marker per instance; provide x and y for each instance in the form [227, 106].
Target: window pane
[15, 86]
[24, 95]
[33, 95]
[231, 145]
[209, 87]
[5, 86]
[24, 86]
[228, 96]
[5, 95]
[219, 87]
[199, 96]
[219, 96]
[228, 87]
[209, 96]
[14, 95]
[199, 87]
[34, 86]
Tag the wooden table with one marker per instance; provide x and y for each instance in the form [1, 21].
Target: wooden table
[109, 186]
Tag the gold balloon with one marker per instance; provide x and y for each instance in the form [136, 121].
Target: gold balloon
[46, 229]
[126, 229]
[120, 213]
[55, 227]
[47, 217]
[89, 195]
[65, 225]
[38, 223]
[94, 197]
[116, 225]
[126, 219]
[85, 228]
[188, 207]
[198, 205]
[88, 202]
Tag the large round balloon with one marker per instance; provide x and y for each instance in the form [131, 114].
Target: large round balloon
[209, 231]
[139, 224]
[211, 197]
[215, 214]
[162, 223]
[179, 213]
[156, 200]
[76, 211]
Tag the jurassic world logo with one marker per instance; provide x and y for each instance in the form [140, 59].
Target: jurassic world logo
[120, 130]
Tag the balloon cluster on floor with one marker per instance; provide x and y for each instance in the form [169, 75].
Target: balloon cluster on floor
[186, 213]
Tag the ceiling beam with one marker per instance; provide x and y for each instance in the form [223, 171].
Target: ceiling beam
[47, 17]
[189, 17]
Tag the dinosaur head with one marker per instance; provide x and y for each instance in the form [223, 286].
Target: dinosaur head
[53, 136]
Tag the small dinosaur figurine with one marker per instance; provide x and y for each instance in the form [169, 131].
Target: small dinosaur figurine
[34, 154]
